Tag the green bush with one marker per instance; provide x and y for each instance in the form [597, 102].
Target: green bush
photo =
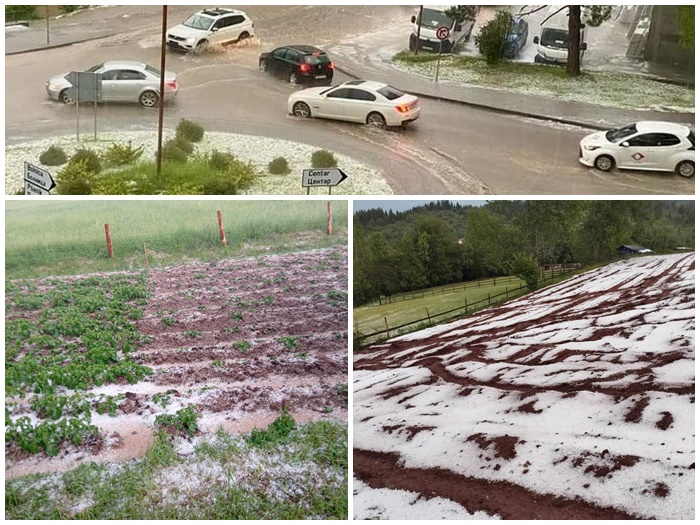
[70, 8]
[275, 433]
[323, 159]
[493, 37]
[54, 156]
[185, 145]
[20, 12]
[526, 268]
[220, 161]
[111, 186]
[189, 130]
[92, 160]
[75, 179]
[278, 166]
[238, 175]
[172, 152]
[119, 155]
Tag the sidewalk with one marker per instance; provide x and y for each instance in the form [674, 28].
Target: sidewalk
[24, 40]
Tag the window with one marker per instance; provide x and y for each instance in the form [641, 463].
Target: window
[223, 22]
[110, 75]
[127, 74]
[280, 53]
[341, 93]
[646, 140]
[390, 93]
[666, 139]
[361, 94]
[235, 20]
[316, 59]
[556, 38]
[198, 22]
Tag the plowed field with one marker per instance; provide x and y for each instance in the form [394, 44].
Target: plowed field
[573, 402]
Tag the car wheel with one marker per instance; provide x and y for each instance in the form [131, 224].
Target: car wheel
[149, 99]
[244, 36]
[686, 169]
[301, 110]
[263, 66]
[65, 98]
[201, 46]
[604, 163]
[376, 120]
[294, 79]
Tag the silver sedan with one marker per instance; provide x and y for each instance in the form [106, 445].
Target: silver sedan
[122, 81]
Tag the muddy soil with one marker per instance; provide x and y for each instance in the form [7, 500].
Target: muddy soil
[239, 340]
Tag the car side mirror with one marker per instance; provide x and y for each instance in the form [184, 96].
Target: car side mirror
[625, 145]
[536, 40]
[413, 19]
[458, 28]
[214, 29]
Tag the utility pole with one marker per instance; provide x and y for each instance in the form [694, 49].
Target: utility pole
[164, 24]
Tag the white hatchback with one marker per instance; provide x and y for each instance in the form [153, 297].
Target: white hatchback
[652, 146]
[366, 102]
[210, 26]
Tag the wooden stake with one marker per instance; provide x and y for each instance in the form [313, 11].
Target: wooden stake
[109, 241]
[145, 252]
[330, 220]
[387, 327]
[221, 228]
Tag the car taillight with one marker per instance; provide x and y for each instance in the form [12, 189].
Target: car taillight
[331, 65]
[172, 85]
[304, 68]
[403, 109]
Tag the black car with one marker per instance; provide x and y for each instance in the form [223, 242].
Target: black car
[299, 64]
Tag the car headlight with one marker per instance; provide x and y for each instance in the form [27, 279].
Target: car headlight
[191, 40]
[52, 87]
[591, 148]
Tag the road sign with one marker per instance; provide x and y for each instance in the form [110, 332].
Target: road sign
[39, 178]
[31, 189]
[86, 86]
[322, 178]
[443, 33]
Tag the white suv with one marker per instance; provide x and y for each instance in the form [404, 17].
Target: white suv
[210, 26]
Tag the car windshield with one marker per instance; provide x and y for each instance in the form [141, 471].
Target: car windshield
[198, 22]
[95, 68]
[616, 135]
[433, 19]
[316, 59]
[390, 93]
[558, 38]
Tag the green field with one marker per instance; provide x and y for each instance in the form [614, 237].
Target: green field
[68, 237]
[368, 319]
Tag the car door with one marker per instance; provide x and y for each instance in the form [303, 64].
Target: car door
[237, 25]
[668, 146]
[221, 30]
[110, 86]
[360, 104]
[277, 65]
[640, 152]
[128, 85]
[332, 105]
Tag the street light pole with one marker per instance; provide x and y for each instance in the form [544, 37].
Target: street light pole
[164, 24]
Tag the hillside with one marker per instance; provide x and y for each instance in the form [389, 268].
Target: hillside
[574, 402]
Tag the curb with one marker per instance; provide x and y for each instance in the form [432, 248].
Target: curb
[493, 109]
[56, 46]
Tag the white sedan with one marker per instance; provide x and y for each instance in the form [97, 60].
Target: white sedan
[653, 146]
[366, 102]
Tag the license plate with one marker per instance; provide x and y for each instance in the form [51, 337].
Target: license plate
[321, 76]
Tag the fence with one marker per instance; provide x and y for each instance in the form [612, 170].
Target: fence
[554, 273]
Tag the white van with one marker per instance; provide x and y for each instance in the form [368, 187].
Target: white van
[553, 40]
[433, 18]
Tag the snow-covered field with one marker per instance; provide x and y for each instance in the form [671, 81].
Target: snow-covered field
[576, 401]
[362, 179]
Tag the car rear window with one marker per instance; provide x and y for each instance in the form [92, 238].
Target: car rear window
[390, 93]
[152, 70]
[316, 59]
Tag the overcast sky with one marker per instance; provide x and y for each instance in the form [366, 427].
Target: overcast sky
[403, 205]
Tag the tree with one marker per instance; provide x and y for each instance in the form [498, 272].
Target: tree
[462, 13]
[686, 21]
[493, 37]
[595, 15]
[526, 268]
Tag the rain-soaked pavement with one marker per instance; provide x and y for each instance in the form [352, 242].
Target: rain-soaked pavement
[450, 150]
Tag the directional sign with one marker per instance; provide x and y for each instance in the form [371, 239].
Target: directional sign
[37, 177]
[31, 189]
[443, 33]
[317, 178]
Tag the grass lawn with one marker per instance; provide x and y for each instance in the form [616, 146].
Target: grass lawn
[602, 88]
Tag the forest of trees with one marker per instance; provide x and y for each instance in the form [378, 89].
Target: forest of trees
[444, 242]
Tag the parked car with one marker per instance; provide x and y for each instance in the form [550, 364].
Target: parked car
[122, 81]
[210, 26]
[653, 146]
[299, 64]
[434, 17]
[367, 102]
[517, 37]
